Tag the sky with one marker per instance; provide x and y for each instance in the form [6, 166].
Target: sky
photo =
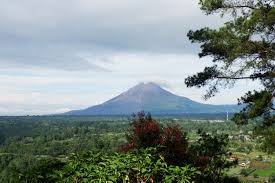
[57, 56]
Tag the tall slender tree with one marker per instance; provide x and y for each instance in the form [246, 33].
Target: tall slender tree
[242, 48]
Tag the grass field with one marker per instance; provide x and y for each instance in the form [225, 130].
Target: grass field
[264, 167]
[265, 172]
[234, 171]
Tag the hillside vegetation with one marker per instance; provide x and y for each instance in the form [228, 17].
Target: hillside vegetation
[79, 149]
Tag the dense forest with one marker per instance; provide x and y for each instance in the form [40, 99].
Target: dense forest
[102, 149]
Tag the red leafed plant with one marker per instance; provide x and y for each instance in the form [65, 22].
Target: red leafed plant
[207, 153]
[175, 143]
[146, 132]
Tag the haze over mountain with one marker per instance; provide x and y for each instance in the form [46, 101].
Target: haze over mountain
[150, 97]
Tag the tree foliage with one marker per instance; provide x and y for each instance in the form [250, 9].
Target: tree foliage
[143, 165]
[207, 154]
[243, 48]
[268, 144]
[147, 132]
[37, 149]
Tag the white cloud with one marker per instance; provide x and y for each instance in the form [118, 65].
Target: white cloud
[57, 55]
[45, 91]
[51, 33]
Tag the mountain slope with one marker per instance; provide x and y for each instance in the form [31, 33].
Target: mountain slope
[151, 98]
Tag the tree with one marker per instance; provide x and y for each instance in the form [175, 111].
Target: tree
[208, 154]
[269, 144]
[145, 131]
[243, 48]
[2, 138]
[175, 144]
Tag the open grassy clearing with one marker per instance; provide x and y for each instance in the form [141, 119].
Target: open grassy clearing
[266, 172]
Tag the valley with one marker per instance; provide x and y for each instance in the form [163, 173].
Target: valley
[27, 143]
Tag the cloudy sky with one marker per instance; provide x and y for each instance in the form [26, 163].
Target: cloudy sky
[58, 55]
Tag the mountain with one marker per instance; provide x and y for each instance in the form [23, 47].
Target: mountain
[150, 97]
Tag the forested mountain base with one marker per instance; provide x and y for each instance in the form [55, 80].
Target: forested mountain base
[100, 149]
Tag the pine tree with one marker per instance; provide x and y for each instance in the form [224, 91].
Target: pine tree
[242, 48]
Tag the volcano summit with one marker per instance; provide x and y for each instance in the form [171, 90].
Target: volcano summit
[150, 97]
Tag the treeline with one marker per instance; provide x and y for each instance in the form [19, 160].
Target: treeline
[62, 135]
[148, 151]
[58, 136]
[48, 149]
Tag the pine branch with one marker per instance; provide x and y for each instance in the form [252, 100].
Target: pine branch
[241, 6]
[254, 76]
[228, 77]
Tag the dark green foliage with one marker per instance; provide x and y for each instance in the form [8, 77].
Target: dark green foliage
[29, 152]
[227, 179]
[201, 79]
[34, 146]
[209, 155]
[258, 104]
[269, 143]
[5, 159]
[243, 48]
[144, 165]
[247, 171]
[30, 169]
[57, 136]
[272, 178]
[2, 138]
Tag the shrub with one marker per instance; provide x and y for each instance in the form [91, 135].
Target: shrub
[143, 165]
[175, 145]
[272, 178]
[208, 153]
[246, 172]
[145, 132]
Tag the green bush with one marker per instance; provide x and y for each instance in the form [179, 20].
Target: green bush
[272, 178]
[144, 165]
